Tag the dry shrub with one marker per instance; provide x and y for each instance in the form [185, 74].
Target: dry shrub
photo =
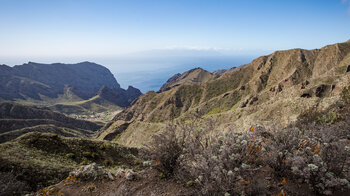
[222, 163]
[218, 163]
[321, 160]
[316, 154]
[165, 149]
[214, 163]
[281, 146]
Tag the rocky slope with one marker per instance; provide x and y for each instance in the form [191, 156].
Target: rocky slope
[273, 89]
[61, 83]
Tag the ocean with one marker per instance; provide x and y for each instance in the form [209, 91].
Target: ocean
[150, 76]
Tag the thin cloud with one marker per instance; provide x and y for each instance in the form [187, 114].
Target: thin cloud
[196, 48]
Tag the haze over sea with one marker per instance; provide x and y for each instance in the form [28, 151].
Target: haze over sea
[148, 71]
[144, 43]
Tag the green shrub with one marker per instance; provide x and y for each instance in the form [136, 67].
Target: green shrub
[161, 176]
[84, 162]
[138, 162]
[105, 146]
[95, 155]
[87, 154]
[190, 183]
[70, 155]
[108, 162]
[54, 136]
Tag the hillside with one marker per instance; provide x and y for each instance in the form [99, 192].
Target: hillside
[271, 90]
[63, 84]
[106, 99]
[36, 160]
[276, 126]
[16, 119]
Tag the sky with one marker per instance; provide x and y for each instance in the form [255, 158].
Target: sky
[146, 35]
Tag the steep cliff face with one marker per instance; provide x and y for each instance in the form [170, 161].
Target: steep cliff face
[272, 89]
[32, 79]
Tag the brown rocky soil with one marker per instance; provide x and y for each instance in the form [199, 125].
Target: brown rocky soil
[147, 184]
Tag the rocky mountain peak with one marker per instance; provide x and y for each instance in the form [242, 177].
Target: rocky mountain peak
[193, 76]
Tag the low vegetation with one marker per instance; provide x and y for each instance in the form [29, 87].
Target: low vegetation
[36, 160]
[256, 162]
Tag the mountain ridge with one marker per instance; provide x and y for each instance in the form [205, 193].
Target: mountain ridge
[86, 77]
[272, 89]
[59, 83]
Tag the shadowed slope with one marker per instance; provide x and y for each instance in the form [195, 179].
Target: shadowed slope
[16, 119]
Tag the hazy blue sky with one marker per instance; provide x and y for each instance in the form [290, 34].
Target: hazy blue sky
[111, 27]
[96, 30]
